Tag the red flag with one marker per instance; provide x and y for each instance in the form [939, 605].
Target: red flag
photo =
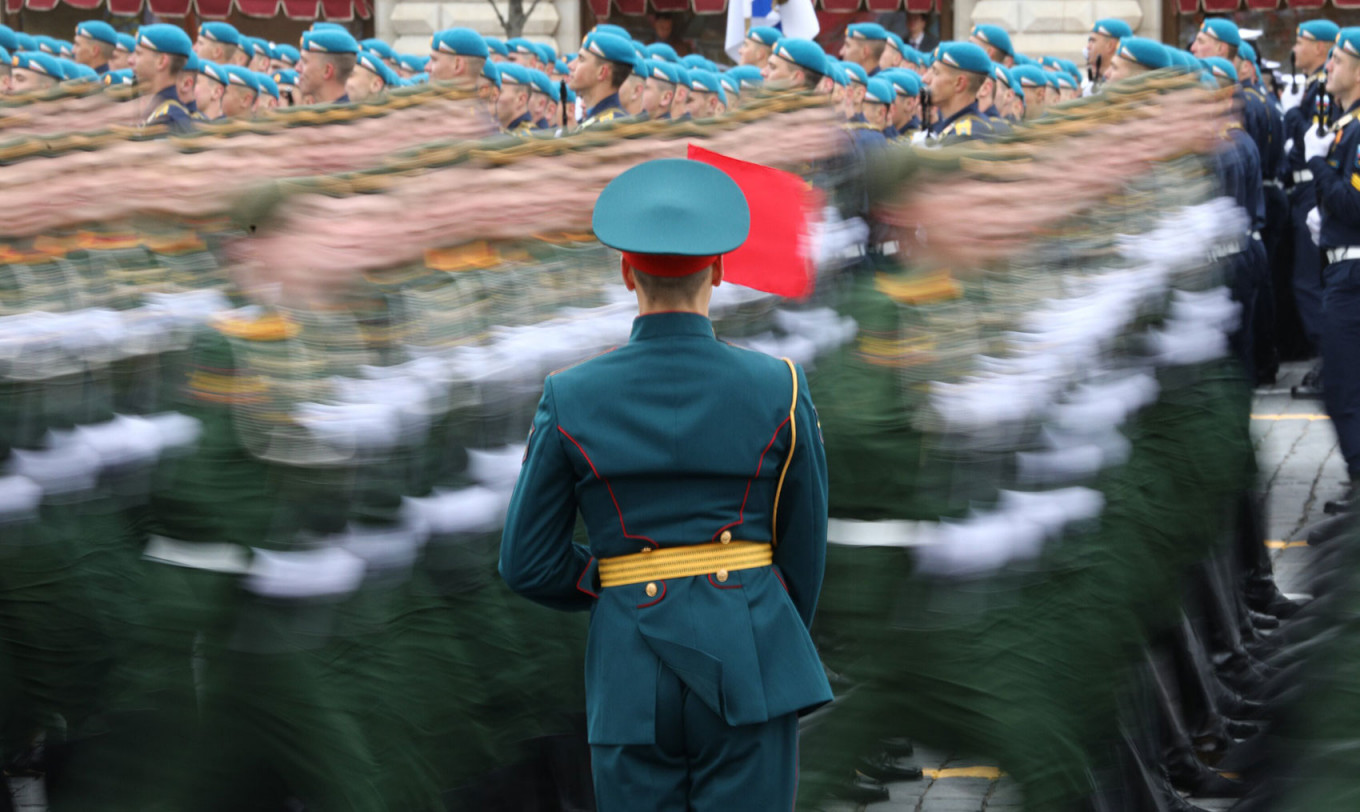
[777, 256]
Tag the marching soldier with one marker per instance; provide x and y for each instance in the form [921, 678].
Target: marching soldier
[758, 45]
[864, 46]
[659, 92]
[995, 41]
[456, 57]
[94, 44]
[328, 58]
[162, 52]
[512, 108]
[600, 69]
[905, 115]
[33, 70]
[707, 99]
[1101, 44]
[706, 518]
[954, 79]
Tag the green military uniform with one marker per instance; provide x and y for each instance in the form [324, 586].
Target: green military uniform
[708, 459]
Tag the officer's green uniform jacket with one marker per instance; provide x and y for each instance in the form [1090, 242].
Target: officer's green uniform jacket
[666, 441]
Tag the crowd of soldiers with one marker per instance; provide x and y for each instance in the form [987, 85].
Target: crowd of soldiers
[255, 470]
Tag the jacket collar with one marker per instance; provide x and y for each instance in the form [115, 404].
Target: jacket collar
[668, 325]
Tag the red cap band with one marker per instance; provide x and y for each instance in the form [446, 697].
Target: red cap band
[667, 264]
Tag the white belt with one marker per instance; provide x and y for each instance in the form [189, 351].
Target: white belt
[1255, 235]
[1343, 254]
[887, 533]
[1303, 175]
[1272, 182]
[212, 556]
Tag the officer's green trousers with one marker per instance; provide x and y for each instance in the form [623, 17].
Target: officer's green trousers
[699, 763]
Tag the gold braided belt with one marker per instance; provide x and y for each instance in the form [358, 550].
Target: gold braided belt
[717, 558]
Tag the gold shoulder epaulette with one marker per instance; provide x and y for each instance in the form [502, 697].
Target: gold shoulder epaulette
[923, 289]
[270, 327]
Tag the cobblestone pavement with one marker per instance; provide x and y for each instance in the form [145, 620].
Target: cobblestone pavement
[1300, 470]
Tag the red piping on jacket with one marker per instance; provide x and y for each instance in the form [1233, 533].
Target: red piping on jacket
[617, 509]
[741, 513]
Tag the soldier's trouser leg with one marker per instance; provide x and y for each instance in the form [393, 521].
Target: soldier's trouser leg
[1341, 358]
[1307, 269]
[699, 762]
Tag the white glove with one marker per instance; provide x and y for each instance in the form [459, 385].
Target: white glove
[1315, 224]
[1288, 146]
[1315, 145]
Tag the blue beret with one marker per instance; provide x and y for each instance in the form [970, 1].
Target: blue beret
[913, 56]
[1021, 59]
[730, 83]
[8, 40]
[547, 54]
[460, 41]
[704, 80]
[1001, 74]
[379, 47]
[561, 66]
[82, 73]
[1112, 27]
[491, 71]
[1144, 52]
[327, 26]
[285, 78]
[119, 77]
[764, 34]
[1245, 51]
[966, 56]
[166, 39]
[672, 206]
[266, 84]
[804, 53]
[331, 41]
[1065, 81]
[515, 74]
[241, 77]
[26, 42]
[1320, 30]
[1223, 69]
[611, 47]
[881, 91]
[1348, 40]
[1050, 63]
[664, 71]
[497, 45]
[225, 33]
[871, 31]
[895, 42]
[99, 30]
[520, 45]
[995, 36]
[126, 42]
[542, 84]
[1225, 31]
[906, 81]
[374, 64]
[259, 47]
[699, 61]
[47, 45]
[836, 70]
[38, 62]
[286, 54]
[660, 50]
[1029, 76]
[747, 76]
[193, 64]
[855, 73]
[4, 56]
[216, 72]
[609, 28]
[412, 63]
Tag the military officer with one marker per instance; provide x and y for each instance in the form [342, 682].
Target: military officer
[698, 470]
[598, 72]
[892, 54]
[1136, 56]
[371, 77]
[707, 98]
[122, 52]
[796, 64]
[94, 44]
[864, 46]
[1334, 160]
[32, 71]
[456, 57]
[658, 91]
[512, 107]
[954, 79]
[1313, 41]
[905, 115]
[238, 101]
[758, 45]
[327, 59]
[209, 89]
[995, 41]
[1100, 46]
[162, 52]
[542, 100]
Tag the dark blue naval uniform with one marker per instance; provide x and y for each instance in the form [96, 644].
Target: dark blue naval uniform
[523, 125]
[1239, 170]
[608, 109]
[964, 125]
[1337, 181]
[1315, 107]
[676, 439]
[167, 109]
[1265, 124]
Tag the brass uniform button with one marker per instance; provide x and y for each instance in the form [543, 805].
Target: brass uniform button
[722, 575]
[726, 537]
[651, 590]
